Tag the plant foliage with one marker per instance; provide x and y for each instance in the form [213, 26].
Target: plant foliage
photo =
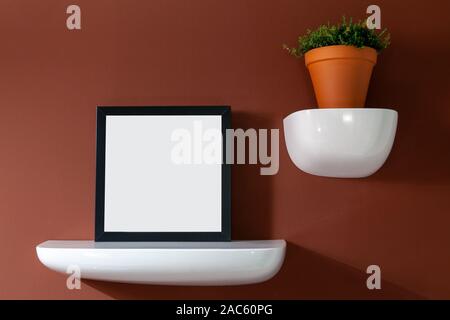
[343, 33]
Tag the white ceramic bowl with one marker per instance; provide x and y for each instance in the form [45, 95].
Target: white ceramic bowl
[343, 143]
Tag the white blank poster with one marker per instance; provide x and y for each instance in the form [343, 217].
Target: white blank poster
[145, 190]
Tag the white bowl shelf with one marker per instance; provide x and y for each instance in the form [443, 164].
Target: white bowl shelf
[167, 263]
[342, 143]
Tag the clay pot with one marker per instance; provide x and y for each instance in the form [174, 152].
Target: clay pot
[341, 75]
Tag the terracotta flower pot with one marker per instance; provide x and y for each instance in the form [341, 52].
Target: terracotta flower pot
[341, 75]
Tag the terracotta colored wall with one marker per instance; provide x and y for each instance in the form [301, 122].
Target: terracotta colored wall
[225, 52]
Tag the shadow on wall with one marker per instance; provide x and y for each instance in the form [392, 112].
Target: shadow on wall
[251, 199]
[305, 275]
[423, 125]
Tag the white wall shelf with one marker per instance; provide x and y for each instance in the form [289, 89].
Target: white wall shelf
[342, 143]
[167, 263]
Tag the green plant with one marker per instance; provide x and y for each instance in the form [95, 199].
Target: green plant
[343, 33]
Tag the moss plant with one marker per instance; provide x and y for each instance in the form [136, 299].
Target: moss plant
[343, 33]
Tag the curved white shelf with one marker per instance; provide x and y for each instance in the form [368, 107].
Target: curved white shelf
[342, 143]
[167, 263]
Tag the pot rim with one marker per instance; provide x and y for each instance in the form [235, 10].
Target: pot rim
[335, 52]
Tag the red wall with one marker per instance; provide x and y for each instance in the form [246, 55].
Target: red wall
[202, 52]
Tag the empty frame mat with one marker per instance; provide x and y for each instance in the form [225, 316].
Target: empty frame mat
[163, 174]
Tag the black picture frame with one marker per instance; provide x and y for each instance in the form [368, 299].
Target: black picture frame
[100, 234]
